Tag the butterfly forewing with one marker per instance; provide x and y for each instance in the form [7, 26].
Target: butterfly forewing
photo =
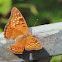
[16, 26]
[17, 20]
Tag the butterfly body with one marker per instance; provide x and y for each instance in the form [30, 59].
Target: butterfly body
[17, 29]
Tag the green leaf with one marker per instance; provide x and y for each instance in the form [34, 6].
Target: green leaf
[56, 16]
[4, 20]
[5, 6]
[1, 30]
[26, 5]
[22, 5]
[55, 19]
[56, 59]
[34, 10]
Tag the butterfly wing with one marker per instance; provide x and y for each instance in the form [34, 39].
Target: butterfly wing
[16, 26]
[17, 20]
[11, 33]
[32, 44]
[18, 48]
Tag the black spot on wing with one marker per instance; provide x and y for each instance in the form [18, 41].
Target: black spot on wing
[20, 15]
[23, 23]
[24, 26]
[33, 39]
[21, 19]
[36, 41]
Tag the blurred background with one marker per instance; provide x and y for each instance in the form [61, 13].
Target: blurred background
[35, 12]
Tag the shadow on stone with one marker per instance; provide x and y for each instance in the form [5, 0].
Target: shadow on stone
[37, 54]
[24, 56]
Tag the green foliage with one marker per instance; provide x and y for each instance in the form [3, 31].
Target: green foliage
[1, 30]
[3, 20]
[46, 11]
[56, 16]
[30, 6]
[5, 6]
[57, 59]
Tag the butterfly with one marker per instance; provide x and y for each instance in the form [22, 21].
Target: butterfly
[17, 29]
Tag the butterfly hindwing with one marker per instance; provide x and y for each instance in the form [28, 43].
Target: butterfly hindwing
[32, 44]
[18, 48]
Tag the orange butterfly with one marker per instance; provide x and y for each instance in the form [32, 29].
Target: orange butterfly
[17, 29]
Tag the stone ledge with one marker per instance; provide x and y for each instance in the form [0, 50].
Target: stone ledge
[50, 37]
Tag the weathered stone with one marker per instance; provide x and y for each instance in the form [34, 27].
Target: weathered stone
[51, 40]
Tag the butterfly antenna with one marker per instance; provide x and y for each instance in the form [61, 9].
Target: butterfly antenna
[35, 22]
